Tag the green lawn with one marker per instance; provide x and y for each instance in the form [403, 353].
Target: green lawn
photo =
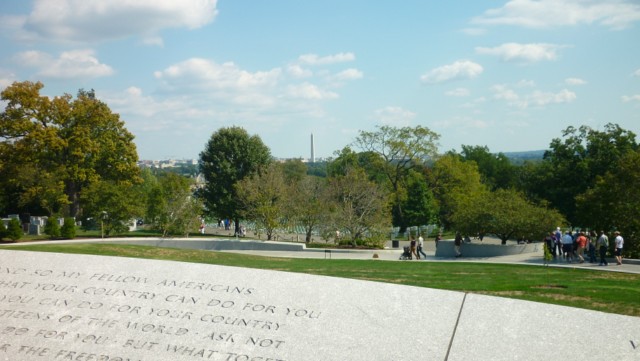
[611, 292]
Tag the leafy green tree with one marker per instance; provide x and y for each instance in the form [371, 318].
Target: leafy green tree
[3, 231]
[453, 181]
[361, 206]
[308, 204]
[505, 213]
[419, 206]
[171, 206]
[574, 162]
[229, 156]
[294, 170]
[69, 144]
[68, 230]
[613, 202]
[496, 170]
[14, 230]
[263, 199]
[400, 150]
[52, 228]
[112, 205]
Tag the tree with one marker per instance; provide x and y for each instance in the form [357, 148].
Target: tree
[113, 206]
[361, 206]
[613, 202]
[3, 231]
[419, 206]
[263, 199]
[453, 181]
[68, 230]
[229, 156]
[505, 213]
[574, 163]
[400, 150]
[69, 143]
[52, 228]
[171, 206]
[496, 170]
[308, 204]
[294, 170]
[14, 230]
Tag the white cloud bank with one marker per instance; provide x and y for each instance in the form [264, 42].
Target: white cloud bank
[68, 65]
[394, 116]
[614, 14]
[462, 69]
[536, 98]
[524, 53]
[631, 98]
[99, 20]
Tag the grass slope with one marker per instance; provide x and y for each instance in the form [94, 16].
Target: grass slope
[610, 292]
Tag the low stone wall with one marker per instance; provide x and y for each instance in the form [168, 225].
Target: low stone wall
[215, 245]
[476, 249]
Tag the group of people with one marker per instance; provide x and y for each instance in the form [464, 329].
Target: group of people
[572, 247]
[417, 247]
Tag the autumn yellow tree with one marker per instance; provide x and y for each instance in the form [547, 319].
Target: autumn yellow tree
[53, 148]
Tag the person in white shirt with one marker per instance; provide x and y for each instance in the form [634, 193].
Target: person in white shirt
[420, 245]
[619, 244]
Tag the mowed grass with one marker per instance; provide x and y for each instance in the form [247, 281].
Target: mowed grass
[610, 292]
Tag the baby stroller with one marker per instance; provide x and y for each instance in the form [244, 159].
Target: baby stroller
[406, 254]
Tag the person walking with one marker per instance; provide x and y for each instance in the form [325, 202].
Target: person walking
[413, 248]
[619, 242]
[581, 241]
[420, 247]
[603, 244]
[567, 246]
[593, 240]
[457, 244]
[438, 239]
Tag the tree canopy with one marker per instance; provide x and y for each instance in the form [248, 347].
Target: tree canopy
[230, 155]
[53, 148]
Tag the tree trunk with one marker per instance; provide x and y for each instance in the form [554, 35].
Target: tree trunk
[308, 237]
[73, 194]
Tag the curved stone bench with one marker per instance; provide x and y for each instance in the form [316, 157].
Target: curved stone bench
[479, 250]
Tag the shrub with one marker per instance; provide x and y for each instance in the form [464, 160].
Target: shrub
[3, 231]
[52, 228]
[68, 230]
[14, 231]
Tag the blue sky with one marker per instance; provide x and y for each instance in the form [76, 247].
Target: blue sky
[510, 75]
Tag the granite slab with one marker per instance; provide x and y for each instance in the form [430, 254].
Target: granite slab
[97, 308]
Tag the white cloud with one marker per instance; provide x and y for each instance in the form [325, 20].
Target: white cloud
[615, 14]
[526, 53]
[462, 69]
[575, 81]
[637, 73]
[202, 74]
[348, 74]
[313, 59]
[462, 122]
[299, 72]
[98, 20]
[627, 98]
[458, 92]
[536, 98]
[69, 65]
[544, 98]
[395, 116]
[310, 91]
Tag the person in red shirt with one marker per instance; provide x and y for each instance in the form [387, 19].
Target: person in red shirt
[582, 244]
